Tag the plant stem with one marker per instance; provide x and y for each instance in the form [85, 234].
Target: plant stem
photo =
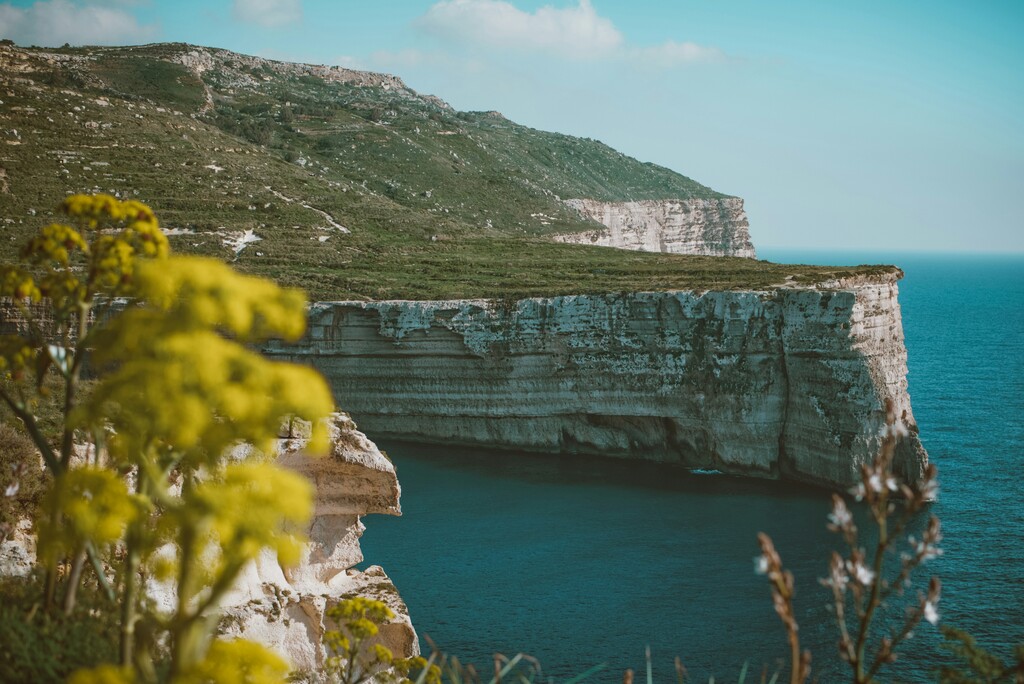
[101, 577]
[73, 578]
[873, 599]
[181, 621]
[29, 421]
[129, 598]
[71, 385]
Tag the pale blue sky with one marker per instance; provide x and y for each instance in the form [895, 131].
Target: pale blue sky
[874, 124]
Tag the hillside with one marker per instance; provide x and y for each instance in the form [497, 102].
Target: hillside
[356, 186]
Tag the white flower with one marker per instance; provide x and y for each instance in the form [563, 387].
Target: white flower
[891, 484]
[12, 488]
[761, 565]
[930, 490]
[838, 579]
[927, 551]
[858, 491]
[840, 515]
[897, 430]
[875, 483]
[864, 575]
[930, 613]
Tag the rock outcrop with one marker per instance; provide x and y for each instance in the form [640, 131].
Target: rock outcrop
[18, 552]
[712, 227]
[284, 609]
[783, 383]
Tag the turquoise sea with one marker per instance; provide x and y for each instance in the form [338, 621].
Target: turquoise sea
[583, 561]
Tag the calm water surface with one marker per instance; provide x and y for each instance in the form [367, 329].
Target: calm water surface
[582, 561]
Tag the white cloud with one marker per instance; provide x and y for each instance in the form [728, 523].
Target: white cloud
[575, 32]
[672, 54]
[268, 13]
[55, 22]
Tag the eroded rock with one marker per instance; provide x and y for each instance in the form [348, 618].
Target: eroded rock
[782, 383]
[284, 608]
[711, 227]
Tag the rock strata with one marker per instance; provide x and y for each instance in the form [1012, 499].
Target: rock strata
[284, 608]
[712, 227]
[783, 383]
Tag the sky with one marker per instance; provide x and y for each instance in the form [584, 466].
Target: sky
[866, 125]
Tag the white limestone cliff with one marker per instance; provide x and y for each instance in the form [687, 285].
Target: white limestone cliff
[284, 608]
[712, 227]
[782, 383]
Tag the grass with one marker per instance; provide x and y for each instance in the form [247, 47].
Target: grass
[440, 204]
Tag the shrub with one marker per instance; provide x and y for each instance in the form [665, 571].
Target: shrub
[140, 478]
[46, 647]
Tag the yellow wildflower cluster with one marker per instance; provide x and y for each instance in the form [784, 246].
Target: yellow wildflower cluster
[236, 662]
[180, 383]
[176, 390]
[227, 662]
[248, 507]
[359, 608]
[15, 353]
[95, 211]
[196, 293]
[87, 504]
[112, 264]
[69, 270]
[104, 674]
[18, 284]
[54, 243]
[353, 660]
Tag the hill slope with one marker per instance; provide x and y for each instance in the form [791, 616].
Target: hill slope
[355, 185]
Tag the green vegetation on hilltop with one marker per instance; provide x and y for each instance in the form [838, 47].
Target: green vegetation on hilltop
[438, 203]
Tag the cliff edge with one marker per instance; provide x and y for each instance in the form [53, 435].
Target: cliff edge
[787, 382]
[713, 227]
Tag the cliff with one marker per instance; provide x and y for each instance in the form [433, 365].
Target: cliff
[786, 382]
[715, 227]
[284, 609]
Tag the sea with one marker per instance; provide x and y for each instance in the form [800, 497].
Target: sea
[584, 563]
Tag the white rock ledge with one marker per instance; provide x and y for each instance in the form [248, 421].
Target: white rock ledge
[712, 227]
[783, 383]
[284, 609]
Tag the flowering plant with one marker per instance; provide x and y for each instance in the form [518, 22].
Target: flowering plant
[862, 583]
[142, 489]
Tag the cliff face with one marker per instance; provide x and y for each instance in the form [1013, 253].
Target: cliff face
[712, 227]
[786, 383]
[284, 609]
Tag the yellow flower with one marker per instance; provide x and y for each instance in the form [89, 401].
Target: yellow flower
[15, 353]
[104, 674]
[17, 284]
[237, 662]
[251, 506]
[54, 243]
[94, 505]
